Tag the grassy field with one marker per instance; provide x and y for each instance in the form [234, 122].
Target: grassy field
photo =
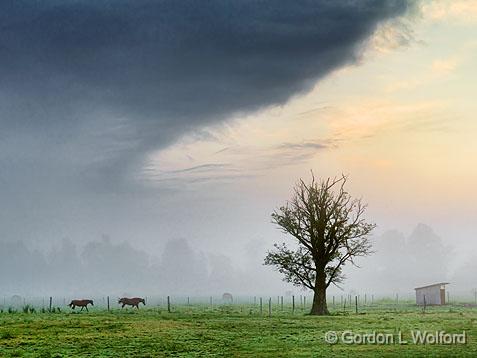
[238, 330]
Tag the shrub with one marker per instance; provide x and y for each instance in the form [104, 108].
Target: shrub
[26, 308]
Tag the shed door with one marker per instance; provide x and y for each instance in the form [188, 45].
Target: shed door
[443, 296]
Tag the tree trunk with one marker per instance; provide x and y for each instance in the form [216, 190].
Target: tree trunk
[319, 307]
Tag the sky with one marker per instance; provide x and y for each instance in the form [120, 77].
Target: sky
[151, 122]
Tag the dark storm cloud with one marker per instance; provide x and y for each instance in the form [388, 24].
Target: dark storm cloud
[88, 87]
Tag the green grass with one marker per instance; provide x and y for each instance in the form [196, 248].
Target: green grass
[238, 330]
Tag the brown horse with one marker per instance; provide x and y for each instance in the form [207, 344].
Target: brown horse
[81, 303]
[131, 301]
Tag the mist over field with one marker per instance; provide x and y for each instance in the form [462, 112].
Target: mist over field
[144, 145]
[102, 267]
[238, 178]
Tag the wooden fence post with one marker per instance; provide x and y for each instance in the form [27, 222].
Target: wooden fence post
[356, 303]
[108, 302]
[281, 303]
[168, 304]
[261, 309]
[270, 307]
[293, 304]
[51, 302]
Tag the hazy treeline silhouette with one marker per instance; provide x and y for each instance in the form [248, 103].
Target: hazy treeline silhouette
[68, 269]
[402, 262]
[104, 267]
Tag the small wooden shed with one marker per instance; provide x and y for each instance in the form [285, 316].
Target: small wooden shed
[434, 294]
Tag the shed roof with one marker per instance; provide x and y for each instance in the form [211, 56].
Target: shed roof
[434, 284]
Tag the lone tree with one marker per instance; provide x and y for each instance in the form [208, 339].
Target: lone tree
[328, 230]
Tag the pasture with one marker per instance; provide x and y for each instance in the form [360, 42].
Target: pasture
[239, 329]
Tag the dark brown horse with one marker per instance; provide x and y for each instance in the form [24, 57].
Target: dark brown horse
[81, 303]
[135, 301]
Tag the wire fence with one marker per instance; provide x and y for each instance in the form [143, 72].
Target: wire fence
[251, 305]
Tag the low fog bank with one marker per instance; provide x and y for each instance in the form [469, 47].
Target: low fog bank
[402, 262]
[104, 267]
